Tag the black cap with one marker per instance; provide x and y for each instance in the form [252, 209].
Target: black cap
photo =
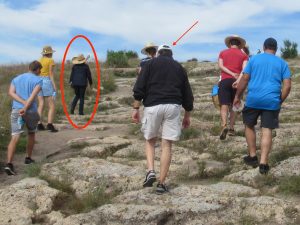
[270, 43]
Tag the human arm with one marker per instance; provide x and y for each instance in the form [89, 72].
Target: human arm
[235, 84]
[30, 100]
[240, 89]
[286, 88]
[139, 92]
[12, 93]
[89, 75]
[188, 100]
[51, 75]
[225, 69]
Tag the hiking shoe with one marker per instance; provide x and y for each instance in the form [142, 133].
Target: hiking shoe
[40, 126]
[231, 132]
[223, 133]
[29, 160]
[161, 189]
[150, 179]
[264, 168]
[251, 161]
[9, 169]
[51, 128]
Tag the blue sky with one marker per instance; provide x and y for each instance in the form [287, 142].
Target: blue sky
[26, 26]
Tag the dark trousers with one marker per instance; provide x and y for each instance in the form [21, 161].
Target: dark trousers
[79, 95]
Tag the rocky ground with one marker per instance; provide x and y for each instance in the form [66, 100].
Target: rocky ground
[96, 177]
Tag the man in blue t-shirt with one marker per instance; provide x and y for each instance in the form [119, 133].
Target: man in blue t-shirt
[24, 89]
[269, 83]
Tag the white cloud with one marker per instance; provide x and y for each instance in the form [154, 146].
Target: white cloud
[137, 22]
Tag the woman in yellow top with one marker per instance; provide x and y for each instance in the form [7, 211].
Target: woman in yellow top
[48, 91]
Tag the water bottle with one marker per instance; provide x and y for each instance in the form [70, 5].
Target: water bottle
[21, 122]
[54, 95]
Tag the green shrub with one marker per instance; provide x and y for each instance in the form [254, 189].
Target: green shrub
[116, 59]
[131, 54]
[189, 133]
[33, 170]
[289, 51]
[290, 185]
[108, 83]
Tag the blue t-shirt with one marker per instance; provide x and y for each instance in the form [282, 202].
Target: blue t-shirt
[266, 72]
[143, 61]
[24, 85]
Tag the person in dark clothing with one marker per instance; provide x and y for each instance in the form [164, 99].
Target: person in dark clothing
[80, 76]
[149, 50]
[163, 87]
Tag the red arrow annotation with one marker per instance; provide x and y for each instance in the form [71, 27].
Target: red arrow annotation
[175, 42]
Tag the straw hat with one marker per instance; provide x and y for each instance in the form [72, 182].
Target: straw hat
[47, 50]
[229, 38]
[148, 45]
[79, 59]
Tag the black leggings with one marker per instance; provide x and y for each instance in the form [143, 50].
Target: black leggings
[79, 95]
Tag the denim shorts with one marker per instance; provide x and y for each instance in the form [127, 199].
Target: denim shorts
[47, 87]
[31, 119]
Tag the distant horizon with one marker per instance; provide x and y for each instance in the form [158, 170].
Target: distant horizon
[33, 24]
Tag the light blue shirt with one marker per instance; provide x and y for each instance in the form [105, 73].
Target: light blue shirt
[266, 72]
[24, 85]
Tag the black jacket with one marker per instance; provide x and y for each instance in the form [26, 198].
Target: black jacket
[163, 81]
[80, 75]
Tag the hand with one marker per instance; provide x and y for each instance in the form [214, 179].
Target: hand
[237, 102]
[135, 115]
[235, 84]
[22, 112]
[186, 122]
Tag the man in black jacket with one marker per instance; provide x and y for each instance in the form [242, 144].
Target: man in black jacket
[80, 76]
[163, 87]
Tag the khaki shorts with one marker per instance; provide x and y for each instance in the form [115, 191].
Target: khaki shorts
[31, 120]
[164, 116]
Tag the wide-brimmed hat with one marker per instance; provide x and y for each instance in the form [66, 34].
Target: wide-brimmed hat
[229, 38]
[47, 50]
[148, 45]
[79, 59]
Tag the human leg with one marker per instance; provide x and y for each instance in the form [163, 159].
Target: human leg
[165, 159]
[75, 99]
[81, 96]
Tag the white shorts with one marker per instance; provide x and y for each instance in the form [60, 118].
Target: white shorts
[164, 116]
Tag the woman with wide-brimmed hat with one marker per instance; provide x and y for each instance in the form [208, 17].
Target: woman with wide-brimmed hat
[48, 92]
[231, 62]
[149, 50]
[80, 76]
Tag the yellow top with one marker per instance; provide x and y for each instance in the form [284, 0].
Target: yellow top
[46, 63]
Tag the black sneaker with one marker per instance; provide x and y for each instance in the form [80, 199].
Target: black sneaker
[264, 168]
[251, 161]
[161, 189]
[150, 179]
[9, 169]
[223, 133]
[29, 160]
[40, 126]
[51, 128]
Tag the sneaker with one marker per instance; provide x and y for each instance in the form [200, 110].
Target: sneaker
[9, 169]
[150, 179]
[161, 189]
[251, 161]
[29, 160]
[40, 126]
[231, 132]
[51, 128]
[264, 168]
[223, 133]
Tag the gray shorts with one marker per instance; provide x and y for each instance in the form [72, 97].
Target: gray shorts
[31, 120]
[164, 116]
